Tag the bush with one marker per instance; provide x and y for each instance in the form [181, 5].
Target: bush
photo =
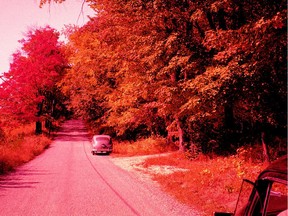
[151, 145]
[20, 147]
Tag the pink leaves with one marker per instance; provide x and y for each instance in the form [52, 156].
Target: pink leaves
[33, 72]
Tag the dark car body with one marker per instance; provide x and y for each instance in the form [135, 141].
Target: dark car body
[267, 196]
[101, 144]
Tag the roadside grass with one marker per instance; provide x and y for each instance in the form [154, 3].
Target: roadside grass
[210, 183]
[20, 146]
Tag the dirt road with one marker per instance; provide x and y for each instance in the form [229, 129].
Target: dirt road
[68, 180]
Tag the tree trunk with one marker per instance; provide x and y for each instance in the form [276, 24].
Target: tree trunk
[38, 127]
[229, 116]
[210, 20]
[221, 19]
[200, 30]
[180, 134]
[265, 148]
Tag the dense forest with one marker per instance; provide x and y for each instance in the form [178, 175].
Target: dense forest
[210, 75]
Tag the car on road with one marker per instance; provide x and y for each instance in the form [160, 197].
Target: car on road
[101, 144]
[267, 196]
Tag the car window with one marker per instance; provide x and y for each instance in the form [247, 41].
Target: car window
[243, 198]
[277, 201]
[102, 139]
[249, 201]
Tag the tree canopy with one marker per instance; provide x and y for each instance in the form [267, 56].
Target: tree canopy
[212, 72]
[29, 90]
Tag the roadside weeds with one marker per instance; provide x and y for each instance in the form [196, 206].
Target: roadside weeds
[20, 146]
[205, 184]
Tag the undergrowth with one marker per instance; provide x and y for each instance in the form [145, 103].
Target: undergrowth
[20, 146]
[210, 183]
[152, 145]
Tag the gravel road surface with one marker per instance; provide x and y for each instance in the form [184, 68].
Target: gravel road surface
[68, 180]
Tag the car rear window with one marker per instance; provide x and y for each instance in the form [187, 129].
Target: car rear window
[102, 139]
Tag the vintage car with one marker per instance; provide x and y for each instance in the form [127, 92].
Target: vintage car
[101, 144]
[267, 195]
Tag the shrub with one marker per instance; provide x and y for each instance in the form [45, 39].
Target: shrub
[20, 146]
[151, 145]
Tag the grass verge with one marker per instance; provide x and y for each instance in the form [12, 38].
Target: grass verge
[207, 184]
[20, 146]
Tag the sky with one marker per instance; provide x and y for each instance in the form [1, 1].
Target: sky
[17, 16]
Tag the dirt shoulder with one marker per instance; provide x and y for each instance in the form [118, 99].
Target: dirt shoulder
[204, 183]
[137, 163]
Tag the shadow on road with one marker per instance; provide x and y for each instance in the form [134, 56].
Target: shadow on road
[102, 154]
[15, 179]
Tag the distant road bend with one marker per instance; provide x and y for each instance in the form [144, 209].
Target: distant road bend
[68, 180]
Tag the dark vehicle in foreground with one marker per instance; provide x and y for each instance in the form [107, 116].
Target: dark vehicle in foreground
[101, 144]
[267, 195]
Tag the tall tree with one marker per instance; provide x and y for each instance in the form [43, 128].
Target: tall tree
[30, 85]
[212, 70]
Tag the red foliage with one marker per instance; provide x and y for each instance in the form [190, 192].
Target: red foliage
[33, 73]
